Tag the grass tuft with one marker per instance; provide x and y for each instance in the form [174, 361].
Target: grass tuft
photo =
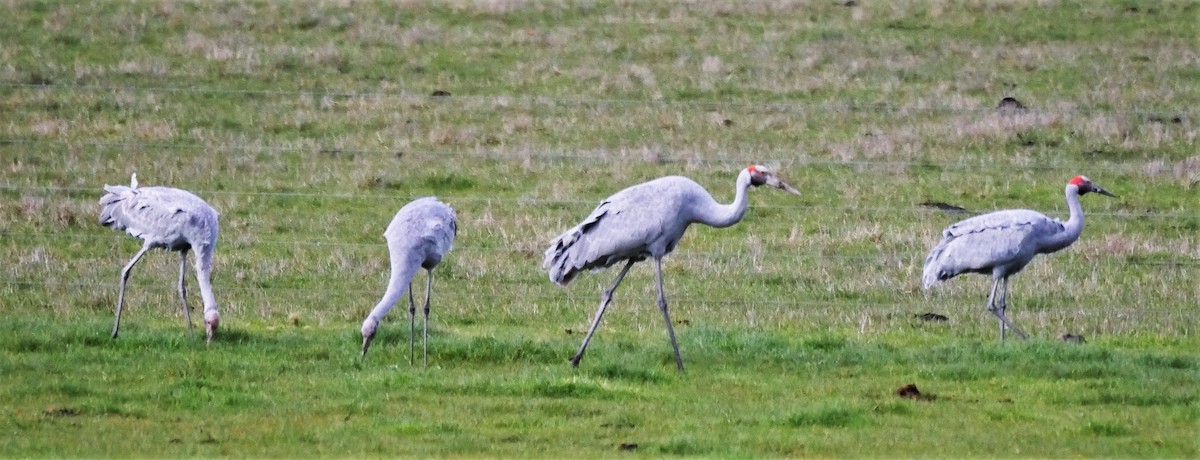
[1106, 428]
[829, 416]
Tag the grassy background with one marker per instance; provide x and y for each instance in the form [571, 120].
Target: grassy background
[308, 124]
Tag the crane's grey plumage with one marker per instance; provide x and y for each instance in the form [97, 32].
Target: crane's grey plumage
[645, 220]
[418, 237]
[1002, 243]
[170, 219]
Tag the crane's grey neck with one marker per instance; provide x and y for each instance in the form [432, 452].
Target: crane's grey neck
[203, 275]
[724, 215]
[1072, 227]
[404, 265]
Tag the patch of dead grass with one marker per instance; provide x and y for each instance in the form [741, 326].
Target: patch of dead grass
[49, 128]
[1185, 172]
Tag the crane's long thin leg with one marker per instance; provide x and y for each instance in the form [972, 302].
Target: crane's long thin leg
[604, 300]
[1001, 307]
[1004, 305]
[412, 313]
[991, 304]
[425, 328]
[996, 306]
[187, 314]
[662, 305]
[125, 278]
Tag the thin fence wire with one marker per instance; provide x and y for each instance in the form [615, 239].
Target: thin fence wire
[916, 208]
[506, 99]
[1065, 168]
[1177, 261]
[915, 301]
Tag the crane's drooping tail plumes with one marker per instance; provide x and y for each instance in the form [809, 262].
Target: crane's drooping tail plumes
[420, 234]
[934, 271]
[575, 250]
[170, 219]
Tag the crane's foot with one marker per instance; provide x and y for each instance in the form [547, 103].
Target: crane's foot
[1008, 324]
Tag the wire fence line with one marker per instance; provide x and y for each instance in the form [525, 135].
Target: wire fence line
[919, 301]
[1149, 166]
[910, 258]
[1185, 219]
[508, 99]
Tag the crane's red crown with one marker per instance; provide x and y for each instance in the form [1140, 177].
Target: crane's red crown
[1080, 180]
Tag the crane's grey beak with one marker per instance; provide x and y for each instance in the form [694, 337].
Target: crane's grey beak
[212, 322]
[1102, 191]
[775, 182]
[366, 344]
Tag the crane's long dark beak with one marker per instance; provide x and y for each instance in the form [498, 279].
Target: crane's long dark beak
[776, 182]
[366, 344]
[1102, 191]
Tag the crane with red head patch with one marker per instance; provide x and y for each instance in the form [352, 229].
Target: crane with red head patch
[1002, 243]
[646, 221]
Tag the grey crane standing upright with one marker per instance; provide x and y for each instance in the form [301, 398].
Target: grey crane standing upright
[646, 220]
[1001, 243]
[419, 236]
[169, 219]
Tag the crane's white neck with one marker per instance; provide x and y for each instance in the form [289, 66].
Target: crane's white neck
[212, 317]
[203, 276]
[404, 266]
[1072, 227]
[725, 215]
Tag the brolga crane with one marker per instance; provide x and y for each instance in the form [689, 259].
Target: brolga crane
[173, 220]
[1001, 243]
[418, 237]
[646, 221]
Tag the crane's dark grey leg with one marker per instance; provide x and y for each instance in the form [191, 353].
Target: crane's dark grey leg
[604, 300]
[997, 304]
[412, 314]
[1004, 305]
[662, 305]
[991, 304]
[1000, 306]
[425, 328]
[187, 314]
[125, 278]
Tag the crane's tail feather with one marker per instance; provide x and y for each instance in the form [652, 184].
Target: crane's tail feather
[561, 255]
[935, 270]
[568, 253]
[110, 211]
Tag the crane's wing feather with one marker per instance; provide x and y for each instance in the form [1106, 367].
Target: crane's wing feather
[998, 221]
[1007, 239]
[160, 215]
[620, 228]
[426, 226]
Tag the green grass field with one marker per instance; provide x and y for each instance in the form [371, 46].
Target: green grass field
[308, 124]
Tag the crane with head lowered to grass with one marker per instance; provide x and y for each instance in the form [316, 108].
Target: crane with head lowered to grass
[170, 219]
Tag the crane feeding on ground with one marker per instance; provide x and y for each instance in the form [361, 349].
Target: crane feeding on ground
[646, 220]
[1001, 243]
[173, 220]
[418, 237]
